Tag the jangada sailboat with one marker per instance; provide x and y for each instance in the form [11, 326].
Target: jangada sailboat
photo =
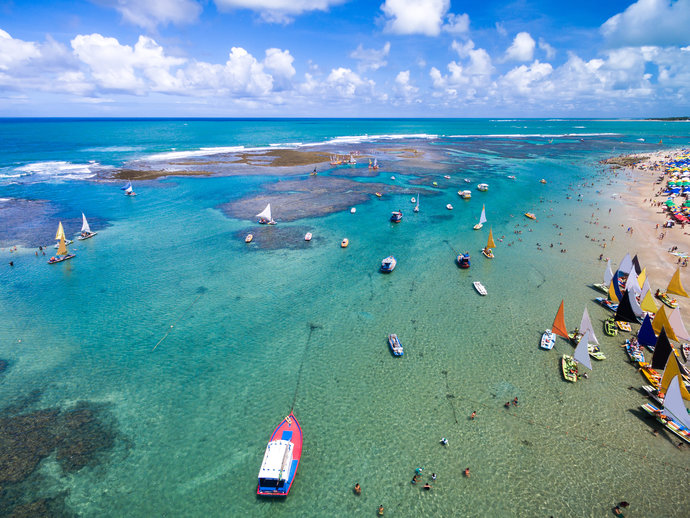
[129, 191]
[86, 232]
[416, 207]
[489, 245]
[673, 414]
[482, 219]
[60, 234]
[265, 216]
[62, 253]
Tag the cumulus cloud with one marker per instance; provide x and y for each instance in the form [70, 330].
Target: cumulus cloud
[279, 64]
[14, 52]
[548, 49]
[278, 11]
[465, 77]
[404, 90]
[650, 22]
[151, 13]
[457, 24]
[371, 59]
[525, 79]
[415, 16]
[522, 48]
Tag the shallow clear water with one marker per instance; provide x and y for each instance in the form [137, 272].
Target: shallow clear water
[256, 330]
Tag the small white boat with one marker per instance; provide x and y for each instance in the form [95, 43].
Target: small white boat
[467, 180]
[353, 210]
[388, 264]
[265, 217]
[511, 176]
[307, 236]
[446, 177]
[483, 187]
[249, 238]
[479, 287]
[449, 207]
[548, 340]
[392, 177]
[85, 229]
[344, 243]
[413, 200]
[465, 195]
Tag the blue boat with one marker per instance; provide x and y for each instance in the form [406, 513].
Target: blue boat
[388, 264]
[395, 345]
[281, 459]
[463, 260]
[396, 217]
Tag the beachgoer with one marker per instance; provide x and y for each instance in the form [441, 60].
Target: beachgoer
[617, 511]
[515, 401]
[473, 415]
[418, 471]
[444, 441]
[358, 489]
[427, 486]
[467, 472]
[11, 263]
[433, 476]
[380, 510]
[414, 480]
[507, 405]
[623, 504]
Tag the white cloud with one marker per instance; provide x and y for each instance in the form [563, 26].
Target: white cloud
[465, 79]
[278, 11]
[14, 52]
[522, 48]
[120, 67]
[415, 16]
[548, 49]
[457, 24]
[525, 79]
[404, 90]
[279, 64]
[650, 22]
[371, 59]
[500, 29]
[150, 13]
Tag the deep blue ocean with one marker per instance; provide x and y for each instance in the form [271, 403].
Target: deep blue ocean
[145, 376]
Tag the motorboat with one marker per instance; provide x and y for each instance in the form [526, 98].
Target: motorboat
[395, 345]
[249, 238]
[281, 459]
[449, 207]
[465, 195]
[396, 216]
[548, 339]
[483, 187]
[479, 287]
[388, 264]
[344, 243]
[307, 236]
[463, 260]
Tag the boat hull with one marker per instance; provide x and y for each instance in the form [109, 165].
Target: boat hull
[88, 236]
[60, 258]
[463, 261]
[290, 430]
[480, 288]
[395, 345]
[548, 340]
[569, 368]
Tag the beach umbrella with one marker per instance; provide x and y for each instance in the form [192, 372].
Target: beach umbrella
[669, 203]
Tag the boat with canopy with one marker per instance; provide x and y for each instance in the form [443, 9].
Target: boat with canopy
[281, 459]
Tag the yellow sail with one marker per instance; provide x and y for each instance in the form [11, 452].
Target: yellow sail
[62, 249]
[671, 371]
[60, 232]
[661, 320]
[612, 292]
[675, 285]
[490, 243]
[648, 304]
[642, 277]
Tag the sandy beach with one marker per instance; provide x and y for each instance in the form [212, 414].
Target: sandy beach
[647, 215]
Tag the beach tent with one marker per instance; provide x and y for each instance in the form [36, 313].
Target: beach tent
[646, 335]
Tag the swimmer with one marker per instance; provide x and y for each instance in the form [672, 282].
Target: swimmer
[380, 510]
[433, 476]
[473, 414]
[358, 489]
[515, 401]
[467, 472]
[427, 486]
[507, 405]
[444, 441]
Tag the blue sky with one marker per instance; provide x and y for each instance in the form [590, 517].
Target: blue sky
[340, 58]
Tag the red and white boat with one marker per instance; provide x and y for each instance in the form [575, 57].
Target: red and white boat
[281, 459]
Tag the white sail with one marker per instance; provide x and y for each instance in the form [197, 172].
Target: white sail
[677, 325]
[634, 304]
[581, 354]
[85, 224]
[586, 325]
[482, 217]
[626, 264]
[608, 274]
[645, 288]
[129, 189]
[673, 404]
[266, 213]
[632, 283]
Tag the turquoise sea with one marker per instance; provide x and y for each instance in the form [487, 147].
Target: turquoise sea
[145, 376]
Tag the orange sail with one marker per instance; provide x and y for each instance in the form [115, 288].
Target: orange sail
[675, 286]
[490, 243]
[558, 326]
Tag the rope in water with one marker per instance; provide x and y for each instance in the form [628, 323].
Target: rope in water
[552, 430]
[312, 327]
[172, 326]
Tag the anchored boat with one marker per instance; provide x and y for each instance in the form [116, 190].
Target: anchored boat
[85, 229]
[281, 459]
[395, 345]
[388, 264]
